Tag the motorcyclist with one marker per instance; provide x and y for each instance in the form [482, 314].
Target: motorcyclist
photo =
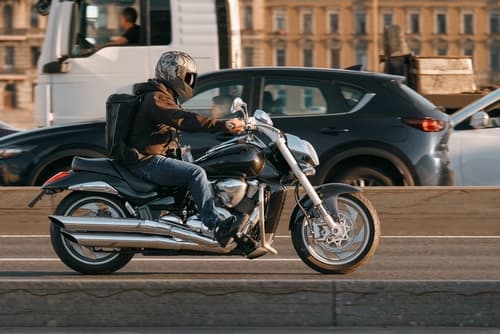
[158, 119]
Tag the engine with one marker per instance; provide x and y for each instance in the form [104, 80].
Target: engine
[232, 192]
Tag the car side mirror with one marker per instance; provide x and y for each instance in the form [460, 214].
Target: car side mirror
[479, 120]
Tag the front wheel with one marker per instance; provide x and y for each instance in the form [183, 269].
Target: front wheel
[88, 260]
[343, 252]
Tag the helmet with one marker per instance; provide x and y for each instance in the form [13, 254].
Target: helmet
[178, 71]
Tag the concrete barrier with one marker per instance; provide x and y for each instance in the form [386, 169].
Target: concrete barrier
[403, 211]
[92, 302]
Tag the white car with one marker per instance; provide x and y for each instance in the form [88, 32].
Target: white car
[474, 143]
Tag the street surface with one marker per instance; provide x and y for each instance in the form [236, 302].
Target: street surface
[240, 330]
[398, 258]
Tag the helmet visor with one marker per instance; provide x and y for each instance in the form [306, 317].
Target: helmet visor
[190, 79]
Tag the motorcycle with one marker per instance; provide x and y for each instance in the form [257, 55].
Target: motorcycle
[111, 215]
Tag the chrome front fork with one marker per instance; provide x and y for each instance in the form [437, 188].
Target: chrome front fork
[309, 189]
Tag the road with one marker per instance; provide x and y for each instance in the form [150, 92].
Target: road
[398, 258]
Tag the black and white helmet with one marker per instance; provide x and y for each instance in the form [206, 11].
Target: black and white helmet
[178, 71]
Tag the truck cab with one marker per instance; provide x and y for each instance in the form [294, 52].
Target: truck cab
[80, 66]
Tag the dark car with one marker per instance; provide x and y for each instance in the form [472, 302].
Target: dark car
[369, 129]
[6, 129]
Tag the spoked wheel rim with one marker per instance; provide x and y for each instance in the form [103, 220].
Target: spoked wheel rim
[91, 207]
[345, 246]
[366, 182]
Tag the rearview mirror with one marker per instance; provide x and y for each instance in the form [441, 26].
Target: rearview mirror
[238, 105]
[479, 120]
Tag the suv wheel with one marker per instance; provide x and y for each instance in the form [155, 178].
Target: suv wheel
[364, 176]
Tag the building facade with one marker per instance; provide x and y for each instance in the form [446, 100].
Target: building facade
[342, 33]
[21, 38]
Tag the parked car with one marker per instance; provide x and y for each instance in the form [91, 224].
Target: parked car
[368, 128]
[475, 142]
[6, 129]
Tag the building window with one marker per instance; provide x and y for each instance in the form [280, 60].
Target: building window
[442, 51]
[9, 57]
[248, 56]
[279, 22]
[441, 24]
[495, 23]
[307, 20]
[468, 24]
[335, 58]
[248, 17]
[495, 57]
[469, 51]
[334, 23]
[34, 17]
[415, 23]
[8, 19]
[281, 57]
[308, 98]
[35, 54]
[360, 23]
[361, 56]
[308, 57]
[387, 19]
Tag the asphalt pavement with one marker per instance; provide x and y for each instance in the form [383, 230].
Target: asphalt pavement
[397, 258]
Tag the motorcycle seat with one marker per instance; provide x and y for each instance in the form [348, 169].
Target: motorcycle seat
[112, 168]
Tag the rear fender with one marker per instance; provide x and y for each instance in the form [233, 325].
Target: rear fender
[93, 182]
[325, 190]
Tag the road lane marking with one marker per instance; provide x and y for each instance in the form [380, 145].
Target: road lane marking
[164, 259]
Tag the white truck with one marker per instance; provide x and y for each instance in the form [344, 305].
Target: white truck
[78, 69]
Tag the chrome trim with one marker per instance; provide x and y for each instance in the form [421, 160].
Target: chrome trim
[130, 209]
[262, 225]
[97, 186]
[118, 240]
[94, 224]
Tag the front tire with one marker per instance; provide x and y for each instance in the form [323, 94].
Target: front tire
[338, 255]
[88, 260]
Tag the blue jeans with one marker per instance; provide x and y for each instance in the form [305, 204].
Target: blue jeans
[171, 172]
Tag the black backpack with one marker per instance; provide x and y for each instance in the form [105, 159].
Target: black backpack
[121, 110]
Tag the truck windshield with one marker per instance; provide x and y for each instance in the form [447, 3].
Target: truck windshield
[101, 23]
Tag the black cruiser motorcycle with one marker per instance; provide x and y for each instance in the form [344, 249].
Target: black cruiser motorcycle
[110, 214]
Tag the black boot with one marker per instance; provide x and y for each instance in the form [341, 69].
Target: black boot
[225, 230]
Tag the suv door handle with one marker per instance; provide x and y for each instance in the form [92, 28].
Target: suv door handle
[333, 131]
[224, 136]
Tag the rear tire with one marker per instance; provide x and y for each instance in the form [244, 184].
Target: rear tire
[310, 256]
[73, 255]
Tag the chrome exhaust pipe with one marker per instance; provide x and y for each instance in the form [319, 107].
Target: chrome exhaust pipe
[138, 241]
[138, 226]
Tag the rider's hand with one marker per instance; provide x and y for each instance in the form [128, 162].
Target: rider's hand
[235, 125]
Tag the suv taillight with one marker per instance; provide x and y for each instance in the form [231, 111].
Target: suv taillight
[425, 124]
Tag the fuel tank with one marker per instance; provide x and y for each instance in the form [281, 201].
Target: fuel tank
[234, 160]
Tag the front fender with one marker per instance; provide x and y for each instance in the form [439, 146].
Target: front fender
[324, 190]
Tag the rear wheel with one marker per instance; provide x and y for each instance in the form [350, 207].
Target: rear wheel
[88, 260]
[343, 252]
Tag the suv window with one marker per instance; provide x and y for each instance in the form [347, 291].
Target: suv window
[215, 100]
[351, 95]
[289, 97]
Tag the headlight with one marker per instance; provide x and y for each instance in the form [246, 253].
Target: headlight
[9, 152]
[312, 153]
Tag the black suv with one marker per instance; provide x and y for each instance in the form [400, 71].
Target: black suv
[369, 129]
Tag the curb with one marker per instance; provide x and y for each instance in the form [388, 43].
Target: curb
[225, 303]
